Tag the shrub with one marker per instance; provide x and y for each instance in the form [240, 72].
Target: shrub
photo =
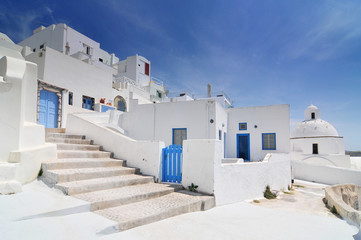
[334, 210]
[268, 194]
[193, 188]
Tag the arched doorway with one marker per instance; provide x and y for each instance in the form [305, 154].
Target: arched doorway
[120, 103]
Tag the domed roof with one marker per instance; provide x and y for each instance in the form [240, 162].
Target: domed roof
[314, 126]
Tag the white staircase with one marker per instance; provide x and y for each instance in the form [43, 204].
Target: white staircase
[115, 191]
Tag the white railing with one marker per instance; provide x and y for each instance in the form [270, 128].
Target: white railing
[124, 79]
[157, 81]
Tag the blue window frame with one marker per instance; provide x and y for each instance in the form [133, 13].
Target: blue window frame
[242, 126]
[178, 135]
[268, 141]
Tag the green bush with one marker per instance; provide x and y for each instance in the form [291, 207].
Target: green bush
[193, 188]
[268, 194]
[334, 210]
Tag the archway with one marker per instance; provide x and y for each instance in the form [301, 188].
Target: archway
[120, 103]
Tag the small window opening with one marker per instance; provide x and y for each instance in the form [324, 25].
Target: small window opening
[34, 49]
[70, 100]
[242, 126]
[41, 46]
[100, 60]
[314, 148]
[220, 134]
[313, 115]
[146, 69]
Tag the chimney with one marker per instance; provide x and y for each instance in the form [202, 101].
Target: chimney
[209, 90]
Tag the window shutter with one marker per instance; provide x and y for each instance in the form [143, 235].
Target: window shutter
[146, 71]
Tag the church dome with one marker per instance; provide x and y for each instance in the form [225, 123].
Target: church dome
[314, 128]
[313, 125]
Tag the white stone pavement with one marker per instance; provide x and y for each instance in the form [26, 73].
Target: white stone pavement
[42, 213]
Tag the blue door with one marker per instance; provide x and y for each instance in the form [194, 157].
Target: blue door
[243, 146]
[48, 109]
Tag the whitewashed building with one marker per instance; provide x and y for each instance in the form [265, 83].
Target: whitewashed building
[316, 141]
[75, 74]
[232, 153]
[318, 152]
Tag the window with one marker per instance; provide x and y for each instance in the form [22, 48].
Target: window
[243, 126]
[42, 46]
[159, 94]
[179, 134]
[220, 134]
[146, 70]
[88, 103]
[100, 60]
[70, 100]
[313, 115]
[268, 141]
[314, 148]
[88, 50]
[34, 49]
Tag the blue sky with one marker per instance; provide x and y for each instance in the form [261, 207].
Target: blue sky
[258, 52]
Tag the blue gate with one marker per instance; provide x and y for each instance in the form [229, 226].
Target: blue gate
[172, 163]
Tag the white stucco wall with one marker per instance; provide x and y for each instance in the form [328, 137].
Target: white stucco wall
[326, 145]
[243, 181]
[156, 121]
[231, 182]
[22, 141]
[268, 119]
[325, 174]
[145, 155]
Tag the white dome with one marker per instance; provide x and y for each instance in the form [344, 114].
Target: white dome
[314, 128]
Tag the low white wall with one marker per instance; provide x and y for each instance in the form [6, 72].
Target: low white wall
[199, 159]
[202, 165]
[145, 155]
[337, 160]
[325, 174]
[355, 163]
[242, 181]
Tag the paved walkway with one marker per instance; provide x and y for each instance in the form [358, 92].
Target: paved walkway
[42, 213]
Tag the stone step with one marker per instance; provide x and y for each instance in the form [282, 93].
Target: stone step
[83, 186]
[54, 130]
[63, 135]
[68, 140]
[67, 163]
[152, 210]
[83, 154]
[124, 195]
[69, 146]
[76, 174]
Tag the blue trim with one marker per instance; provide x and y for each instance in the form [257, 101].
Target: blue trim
[177, 129]
[275, 141]
[249, 152]
[239, 126]
[105, 108]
